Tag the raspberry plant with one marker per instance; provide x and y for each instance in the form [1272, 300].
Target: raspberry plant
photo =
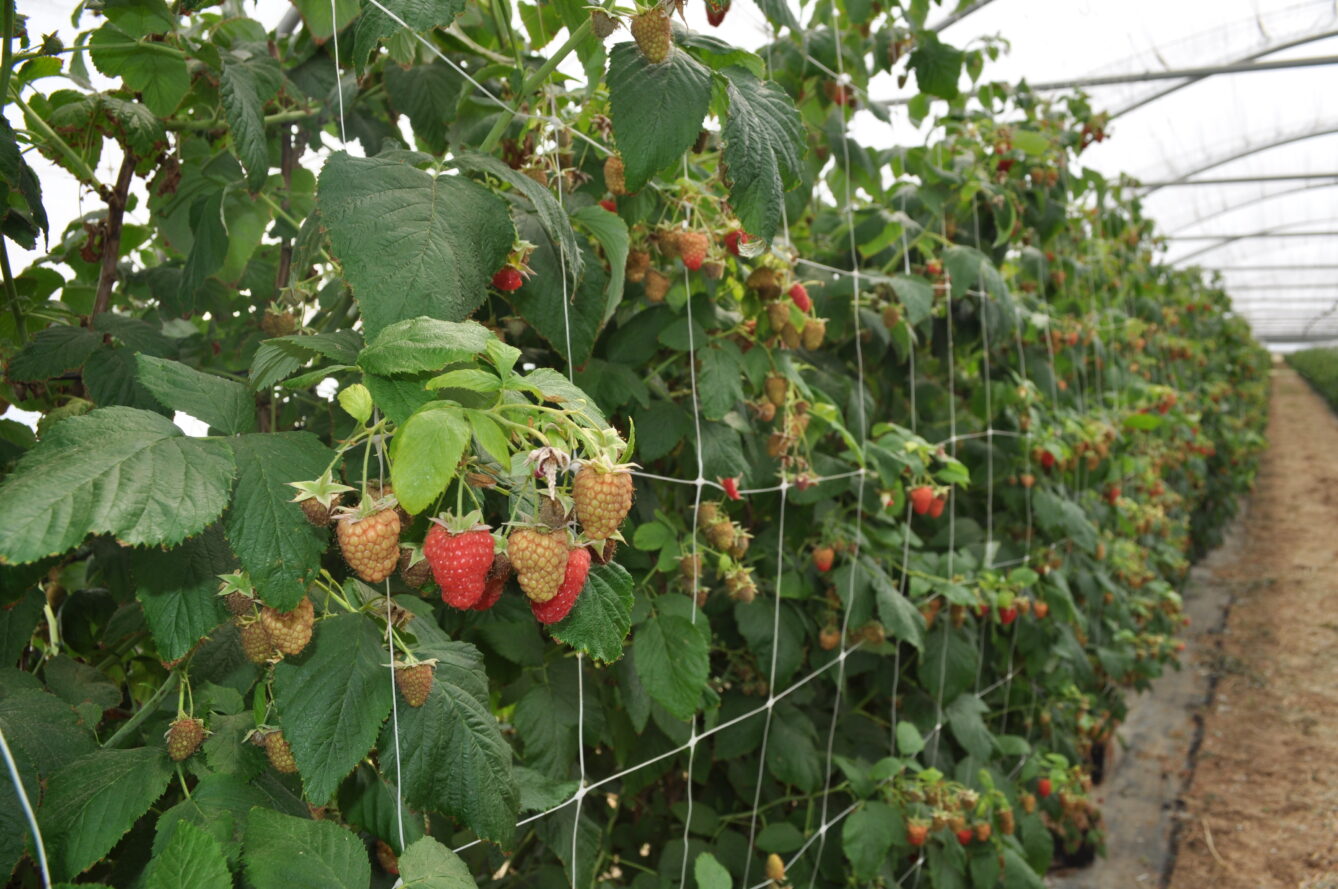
[927, 438]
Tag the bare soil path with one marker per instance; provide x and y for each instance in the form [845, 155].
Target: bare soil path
[1261, 809]
[1226, 775]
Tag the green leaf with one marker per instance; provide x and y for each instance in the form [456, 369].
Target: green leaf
[428, 94]
[599, 622]
[473, 379]
[1143, 421]
[283, 852]
[763, 152]
[916, 295]
[427, 864]
[1017, 874]
[950, 672]
[420, 15]
[721, 381]
[425, 452]
[115, 470]
[867, 837]
[419, 344]
[455, 759]
[901, 619]
[545, 719]
[937, 65]
[157, 71]
[562, 315]
[17, 622]
[412, 243]
[718, 54]
[91, 803]
[965, 718]
[52, 352]
[611, 233]
[673, 663]
[657, 110]
[1030, 141]
[909, 739]
[332, 699]
[191, 858]
[550, 214]
[178, 589]
[710, 873]
[223, 404]
[356, 400]
[277, 546]
[552, 386]
[792, 752]
[250, 78]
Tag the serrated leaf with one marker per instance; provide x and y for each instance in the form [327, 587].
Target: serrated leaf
[53, 351]
[115, 470]
[657, 110]
[599, 622]
[673, 663]
[283, 852]
[917, 297]
[250, 78]
[562, 315]
[91, 803]
[428, 95]
[158, 73]
[427, 864]
[937, 65]
[332, 699]
[178, 590]
[419, 344]
[552, 386]
[721, 382]
[763, 151]
[545, 720]
[191, 858]
[223, 404]
[277, 546]
[965, 718]
[867, 837]
[718, 54]
[455, 759]
[546, 207]
[901, 619]
[411, 243]
[374, 25]
[425, 452]
[792, 752]
[611, 233]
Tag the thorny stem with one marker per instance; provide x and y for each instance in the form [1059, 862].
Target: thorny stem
[533, 83]
[150, 707]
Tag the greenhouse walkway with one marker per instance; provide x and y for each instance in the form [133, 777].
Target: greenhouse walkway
[1256, 806]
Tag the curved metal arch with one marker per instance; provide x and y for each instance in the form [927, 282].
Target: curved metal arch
[1249, 57]
[1248, 152]
[1258, 199]
[1232, 239]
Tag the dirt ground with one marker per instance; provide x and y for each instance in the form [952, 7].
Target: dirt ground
[1261, 808]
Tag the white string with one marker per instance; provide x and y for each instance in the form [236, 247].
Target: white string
[28, 813]
[339, 76]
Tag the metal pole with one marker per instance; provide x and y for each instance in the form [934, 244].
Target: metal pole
[1242, 236]
[1172, 74]
[1240, 180]
[960, 14]
[1267, 268]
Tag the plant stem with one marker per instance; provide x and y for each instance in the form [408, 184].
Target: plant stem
[76, 163]
[278, 117]
[7, 54]
[111, 242]
[535, 81]
[12, 295]
[150, 707]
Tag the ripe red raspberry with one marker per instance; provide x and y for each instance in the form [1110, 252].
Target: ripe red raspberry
[1044, 788]
[799, 295]
[936, 508]
[917, 832]
[602, 500]
[734, 239]
[922, 498]
[1041, 609]
[184, 737]
[731, 486]
[370, 545]
[692, 247]
[540, 561]
[715, 11]
[279, 752]
[1007, 615]
[965, 836]
[460, 563]
[823, 556]
[609, 204]
[507, 279]
[415, 681]
[289, 632]
[573, 581]
[1047, 460]
[497, 578]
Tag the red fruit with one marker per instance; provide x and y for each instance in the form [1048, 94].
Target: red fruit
[370, 545]
[921, 499]
[602, 500]
[507, 279]
[799, 293]
[1112, 494]
[917, 833]
[1007, 615]
[965, 836]
[734, 239]
[1047, 460]
[936, 508]
[823, 556]
[497, 577]
[1044, 788]
[460, 563]
[715, 11]
[731, 486]
[934, 268]
[1041, 609]
[692, 247]
[609, 204]
[573, 581]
